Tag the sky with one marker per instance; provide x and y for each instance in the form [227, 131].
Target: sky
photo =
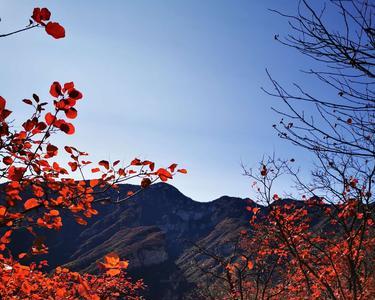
[168, 81]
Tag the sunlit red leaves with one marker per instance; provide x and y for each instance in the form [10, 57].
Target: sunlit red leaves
[16, 173]
[40, 15]
[31, 203]
[112, 264]
[163, 174]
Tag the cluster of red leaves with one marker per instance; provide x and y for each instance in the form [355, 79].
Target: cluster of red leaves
[39, 191]
[41, 15]
[19, 281]
[326, 262]
[29, 163]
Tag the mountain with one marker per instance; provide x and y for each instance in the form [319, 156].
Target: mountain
[154, 230]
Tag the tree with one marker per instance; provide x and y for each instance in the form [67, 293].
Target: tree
[334, 260]
[320, 245]
[38, 191]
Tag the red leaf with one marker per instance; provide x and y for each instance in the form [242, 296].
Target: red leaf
[250, 265]
[172, 167]
[95, 170]
[68, 128]
[7, 160]
[40, 15]
[80, 221]
[68, 86]
[55, 29]
[55, 89]
[104, 163]
[52, 150]
[163, 174]
[136, 162]
[73, 165]
[68, 149]
[145, 182]
[31, 203]
[183, 171]
[94, 182]
[45, 14]
[74, 94]
[71, 113]
[15, 173]
[2, 103]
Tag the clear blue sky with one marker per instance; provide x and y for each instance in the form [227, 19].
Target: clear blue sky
[170, 81]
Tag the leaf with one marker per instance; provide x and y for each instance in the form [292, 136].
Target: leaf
[104, 163]
[68, 149]
[183, 171]
[22, 255]
[172, 167]
[54, 213]
[250, 265]
[136, 162]
[145, 182]
[163, 174]
[94, 182]
[27, 101]
[7, 160]
[55, 29]
[95, 170]
[68, 128]
[80, 221]
[55, 89]
[73, 165]
[71, 113]
[31, 203]
[50, 119]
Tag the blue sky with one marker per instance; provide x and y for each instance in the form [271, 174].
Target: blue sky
[170, 81]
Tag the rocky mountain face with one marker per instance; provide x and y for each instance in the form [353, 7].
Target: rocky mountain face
[154, 231]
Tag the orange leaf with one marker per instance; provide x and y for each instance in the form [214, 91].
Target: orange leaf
[95, 170]
[31, 203]
[250, 265]
[94, 182]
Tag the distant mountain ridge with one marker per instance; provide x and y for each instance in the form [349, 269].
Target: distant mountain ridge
[155, 230]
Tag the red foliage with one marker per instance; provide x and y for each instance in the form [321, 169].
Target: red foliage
[40, 191]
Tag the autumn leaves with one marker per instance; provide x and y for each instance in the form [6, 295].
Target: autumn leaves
[54, 29]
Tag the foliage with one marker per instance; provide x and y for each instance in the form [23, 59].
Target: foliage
[38, 191]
